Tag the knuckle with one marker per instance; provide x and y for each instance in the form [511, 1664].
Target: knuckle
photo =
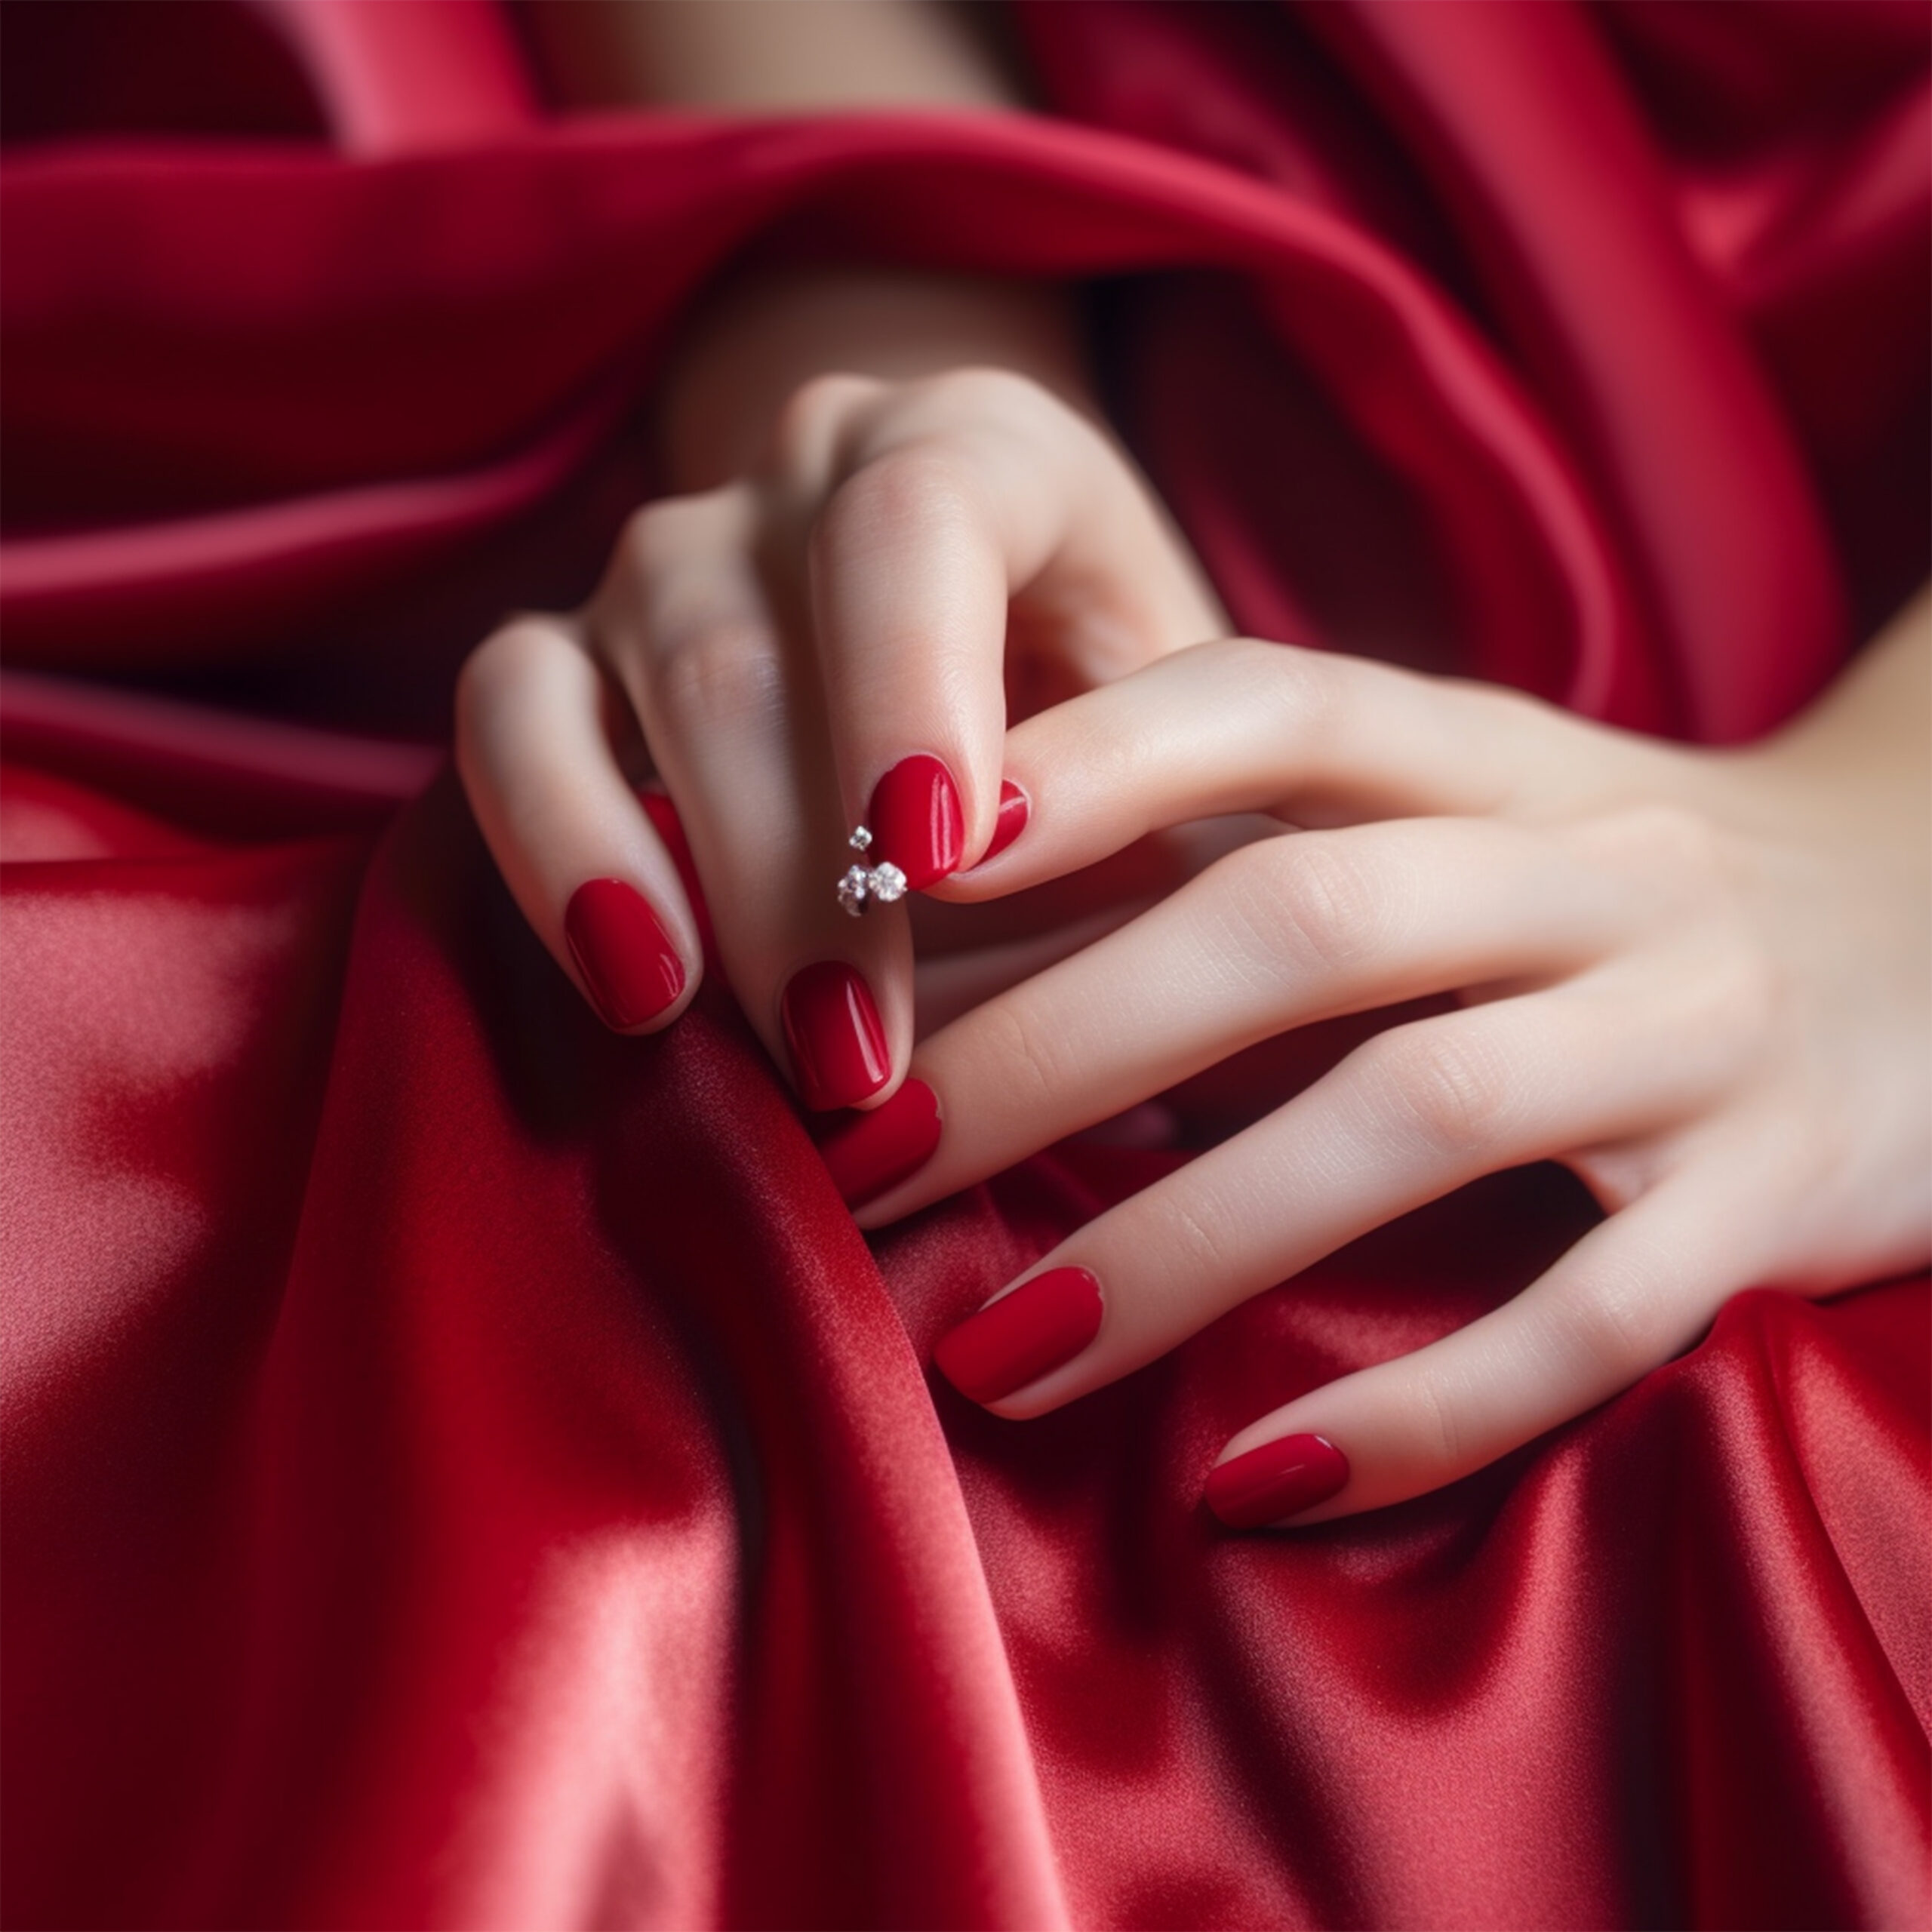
[1442, 1436]
[1611, 1326]
[1322, 706]
[717, 669]
[1334, 902]
[637, 542]
[1304, 901]
[1022, 1045]
[1664, 840]
[1738, 997]
[1618, 1174]
[498, 668]
[909, 497]
[655, 547]
[1445, 1087]
[1301, 687]
[648, 540]
[1203, 1250]
[985, 393]
[809, 422]
[1521, 716]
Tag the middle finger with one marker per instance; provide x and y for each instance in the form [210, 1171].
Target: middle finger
[729, 702]
[1291, 930]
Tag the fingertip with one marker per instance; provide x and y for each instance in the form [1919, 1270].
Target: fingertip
[996, 1355]
[1276, 1482]
[835, 1036]
[661, 811]
[674, 1009]
[629, 965]
[876, 1149]
[1009, 821]
[969, 886]
[917, 821]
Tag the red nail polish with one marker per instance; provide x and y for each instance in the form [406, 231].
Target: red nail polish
[916, 822]
[1281, 1478]
[832, 1028]
[869, 1152]
[1015, 809]
[1044, 1323]
[669, 827]
[628, 965]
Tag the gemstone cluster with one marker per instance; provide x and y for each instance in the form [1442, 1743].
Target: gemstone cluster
[863, 885]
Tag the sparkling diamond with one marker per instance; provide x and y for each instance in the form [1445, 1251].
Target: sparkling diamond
[887, 883]
[852, 890]
[860, 841]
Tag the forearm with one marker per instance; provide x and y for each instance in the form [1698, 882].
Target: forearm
[772, 57]
[762, 334]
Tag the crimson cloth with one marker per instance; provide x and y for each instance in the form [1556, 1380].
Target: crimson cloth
[464, 1468]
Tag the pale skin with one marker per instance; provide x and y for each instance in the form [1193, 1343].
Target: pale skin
[1698, 979]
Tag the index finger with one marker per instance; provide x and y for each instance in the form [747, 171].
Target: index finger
[956, 502]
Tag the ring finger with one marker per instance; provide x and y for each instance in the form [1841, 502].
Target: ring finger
[1413, 1114]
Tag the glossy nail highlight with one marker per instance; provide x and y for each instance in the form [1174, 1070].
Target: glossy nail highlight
[1015, 809]
[870, 1152]
[1280, 1479]
[837, 1042]
[1042, 1324]
[916, 821]
[623, 955]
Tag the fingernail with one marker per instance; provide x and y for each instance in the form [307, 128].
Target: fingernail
[869, 1152]
[1281, 1478]
[1042, 1323]
[916, 822]
[669, 827]
[1015, 808]
[832, 1028]
[628, 965]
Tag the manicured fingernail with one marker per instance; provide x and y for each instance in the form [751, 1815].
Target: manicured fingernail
[1281, 1478]
[1041, 1324]
[869, 1152]
[916, 822]
[670, 828]
[1015, 808]
[628, 965]
[839, 1049]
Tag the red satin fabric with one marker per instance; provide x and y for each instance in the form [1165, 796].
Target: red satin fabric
[466, 1469]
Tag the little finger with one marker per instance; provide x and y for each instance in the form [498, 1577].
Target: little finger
[1407, 1117]
[1630, 1294]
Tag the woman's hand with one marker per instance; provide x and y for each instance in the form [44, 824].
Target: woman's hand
[1699, 980]
[826, 642]
[823, 625]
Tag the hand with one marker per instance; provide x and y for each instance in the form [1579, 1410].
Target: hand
[826, 641]
[1697, 979]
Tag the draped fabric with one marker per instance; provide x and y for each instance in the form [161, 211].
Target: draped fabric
[464, 1468]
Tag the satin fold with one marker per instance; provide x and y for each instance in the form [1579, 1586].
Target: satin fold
[465, 1468]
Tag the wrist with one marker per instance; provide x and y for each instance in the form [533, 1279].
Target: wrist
[767, 332]
[1862, 754]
